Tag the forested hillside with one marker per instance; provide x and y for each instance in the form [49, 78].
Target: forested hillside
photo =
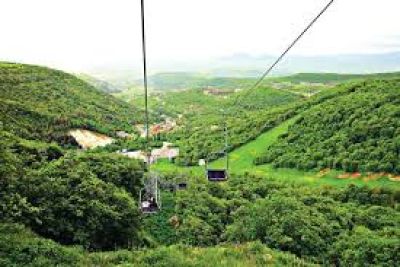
[64, 207]
[332, 77]
[200, 102]
[183, 81]
[358, 130]
[248, 221]
[78, 198]
[41, 103]
[73, 198]
[201, 114]
[203, 133]
[102, 85]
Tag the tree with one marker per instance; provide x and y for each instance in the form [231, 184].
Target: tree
[76, 207]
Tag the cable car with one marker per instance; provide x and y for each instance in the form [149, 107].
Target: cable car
[149, 205]
[211, 174]
[219, 174]
[150, 197]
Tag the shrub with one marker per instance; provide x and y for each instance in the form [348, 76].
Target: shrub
[20, 247]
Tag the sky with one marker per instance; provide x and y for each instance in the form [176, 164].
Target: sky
[81, 34]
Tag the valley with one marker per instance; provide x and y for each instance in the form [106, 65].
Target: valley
[200, 133]
[313, 171]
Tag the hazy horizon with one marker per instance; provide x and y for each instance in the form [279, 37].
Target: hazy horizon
[83, 35]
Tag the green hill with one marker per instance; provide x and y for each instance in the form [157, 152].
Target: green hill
[202, 135]
[332, 77]
[41, 103]
[62, 207]
[357, 130]
[100, 84]
[185, 80]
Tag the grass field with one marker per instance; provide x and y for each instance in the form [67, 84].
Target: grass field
[241, 161]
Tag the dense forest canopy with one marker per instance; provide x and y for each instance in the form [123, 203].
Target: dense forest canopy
[356, 131]
[41, 103]
[74, 198]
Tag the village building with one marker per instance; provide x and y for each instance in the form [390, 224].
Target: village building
[165, 152]
[217, 91]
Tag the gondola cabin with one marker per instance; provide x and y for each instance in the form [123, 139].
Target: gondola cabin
[149, 206]
[217, 175]
[150, 200]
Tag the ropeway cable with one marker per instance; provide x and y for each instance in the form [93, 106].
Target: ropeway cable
[268, 71]
[146, 106]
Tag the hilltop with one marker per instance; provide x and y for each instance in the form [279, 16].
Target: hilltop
[100, 84]
[42, 103]
[333, 78]
[184, 80]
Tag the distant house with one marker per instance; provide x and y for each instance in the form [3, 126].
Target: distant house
[139, 154]
[165, 152]
[281, 85]
[217, 91]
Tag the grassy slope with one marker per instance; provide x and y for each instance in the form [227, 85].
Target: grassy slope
[41, 103]
[241, 160]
